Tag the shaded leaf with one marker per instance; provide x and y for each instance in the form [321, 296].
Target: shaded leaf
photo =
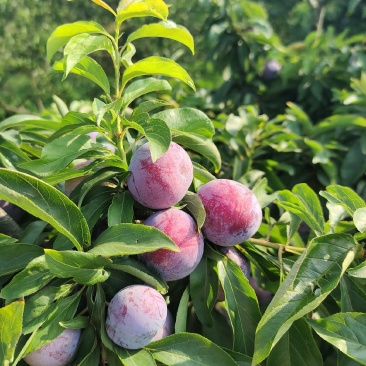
[312, 277]
[345, 331]
[121, 209]
[195, 206]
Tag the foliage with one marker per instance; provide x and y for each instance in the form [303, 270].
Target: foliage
[77, 247]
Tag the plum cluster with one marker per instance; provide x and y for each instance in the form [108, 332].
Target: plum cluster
[137, 314]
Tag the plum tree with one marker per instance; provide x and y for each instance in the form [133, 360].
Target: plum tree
[233, 213]
[182, 229]
[167, 329]
[163, 183]
[135, 315]
[59, 352]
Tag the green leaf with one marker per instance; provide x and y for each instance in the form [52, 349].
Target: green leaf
[11, 317]
[14, 257]
[166, 29]
[202, 145]
[32, 278]
[353, 294]
[85, 268]
[126, 57]
[203, 282]
[189, 349]
[241, 304]
[239, 358]
[145, 8]
[195, 206]
[88, 351]
[137, 269]
[359, 219]
[121, 209]
[78, 322]
[88, 68]
[59, 153]
[181, 317]
[45, 202]
[82, 45]
[65, 310]
[345, 331]
[65, 32]
[128, 357]
[147, 106]
[304, 203]
[105, 6]
[188, 121]
[128, 239]
[313, 276]
[40, 306]
[201, 173]
[358, 271]
[141, 87]
[158, 134]
[114, 107]
[343, 196]
[155, 65]
[28, 121]
[296, 347]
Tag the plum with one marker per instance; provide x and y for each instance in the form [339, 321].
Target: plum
[167, 329]
[135, 315]
[182, 229]
[58, 352]
[161, 184]
[271, 70]
[233, 213]
[238, 258]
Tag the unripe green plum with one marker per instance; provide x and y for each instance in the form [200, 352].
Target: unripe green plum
[165, 182]
[59, 352]
[135, 315]
[233, 213]
[182, 229]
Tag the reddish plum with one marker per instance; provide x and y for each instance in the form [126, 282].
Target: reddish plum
[135, 315]
[233, 213]
[161, 184]
[182, 229]
[59, 352]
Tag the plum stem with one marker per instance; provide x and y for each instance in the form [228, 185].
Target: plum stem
[268, 244]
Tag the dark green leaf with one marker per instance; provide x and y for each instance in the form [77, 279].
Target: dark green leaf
[345, 331]
[121, 209]
[137, 269]
[195, 207]
[353, 295]
[85, 268]
[304, 203]
[14, 257]
[241, 304]
[239, 358]
[313, 276]
[203, 282]
[33, 277]
[128, 239]
[45, 202]
[296, 347]
[78, 322]
[181, 318]
[189, 349]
